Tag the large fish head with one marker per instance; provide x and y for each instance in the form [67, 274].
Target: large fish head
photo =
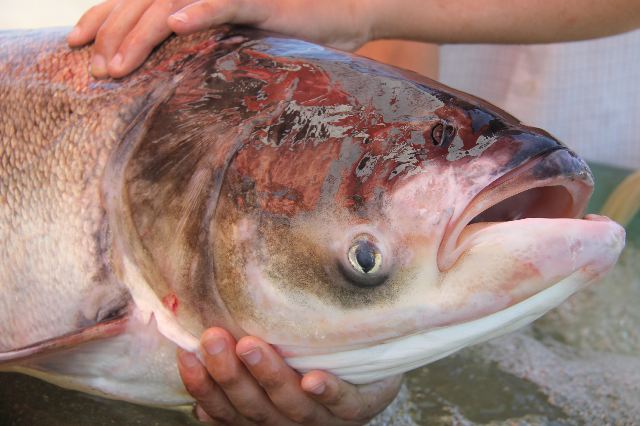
[378, 205]
[362, 219]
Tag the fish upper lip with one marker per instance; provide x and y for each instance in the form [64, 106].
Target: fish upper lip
[564, 194]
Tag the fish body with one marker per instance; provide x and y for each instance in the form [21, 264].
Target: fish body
[362, 219]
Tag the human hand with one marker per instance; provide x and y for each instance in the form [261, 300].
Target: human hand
[248, 383]
[125, 31]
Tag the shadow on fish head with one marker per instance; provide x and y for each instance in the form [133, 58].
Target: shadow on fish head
[363, 219]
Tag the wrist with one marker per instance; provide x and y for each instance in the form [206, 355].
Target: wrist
[361, 16]
[377, 21]
[399, 19]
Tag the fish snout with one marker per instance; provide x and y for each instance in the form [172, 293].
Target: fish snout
[554, 185]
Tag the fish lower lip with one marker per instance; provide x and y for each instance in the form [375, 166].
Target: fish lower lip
[556, 185]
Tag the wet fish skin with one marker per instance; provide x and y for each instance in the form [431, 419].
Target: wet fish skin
[223, 184]
[58, 128]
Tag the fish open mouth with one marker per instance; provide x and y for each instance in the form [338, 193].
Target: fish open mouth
[553, 185]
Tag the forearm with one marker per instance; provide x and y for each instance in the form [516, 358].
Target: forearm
[422, 58]
[500, 21]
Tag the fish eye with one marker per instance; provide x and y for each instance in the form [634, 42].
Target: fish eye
[365, 257]
[365, 262]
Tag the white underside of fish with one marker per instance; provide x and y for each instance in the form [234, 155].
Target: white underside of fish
[397, 356]
[137, 365]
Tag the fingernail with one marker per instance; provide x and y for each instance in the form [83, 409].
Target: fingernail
[116, 61]
[203, 417]
[75, 32]
[318, 389]
[99, 65]
[252, 357]
[182, 17]
[188, 359]
[214, 346]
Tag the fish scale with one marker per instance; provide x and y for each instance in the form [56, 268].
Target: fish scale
[47, 170]
[59, 126]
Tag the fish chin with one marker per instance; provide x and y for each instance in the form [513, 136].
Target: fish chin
[392, 357]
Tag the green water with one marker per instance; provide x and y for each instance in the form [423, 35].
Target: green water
[607, 178]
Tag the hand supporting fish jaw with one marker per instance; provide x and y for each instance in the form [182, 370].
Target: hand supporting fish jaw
[249, 382]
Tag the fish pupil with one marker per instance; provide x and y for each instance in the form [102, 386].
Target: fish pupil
[366, 257]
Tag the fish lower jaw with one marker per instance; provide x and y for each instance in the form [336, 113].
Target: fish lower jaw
[392, 357]
[599, 232]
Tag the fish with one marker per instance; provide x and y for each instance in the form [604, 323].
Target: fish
[362, 219]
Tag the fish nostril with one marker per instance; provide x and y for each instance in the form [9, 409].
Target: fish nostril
[443, 133]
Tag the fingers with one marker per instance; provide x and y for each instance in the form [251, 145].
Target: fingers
[135, 41]
[87, 27]
[205, 14]
[120, 23]
[281, 383]
[246, 395]
[350, 402]
[125, 32]
[249, 383]
[202, 15]
[201, 386]
[202, 416]
[320, 398]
